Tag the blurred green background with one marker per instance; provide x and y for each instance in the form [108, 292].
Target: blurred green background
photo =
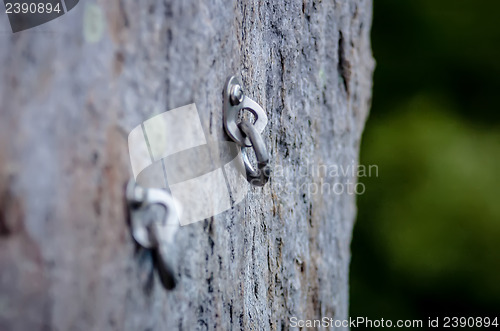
[427, 239]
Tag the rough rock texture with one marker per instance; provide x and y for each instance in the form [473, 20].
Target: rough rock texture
[72, 89]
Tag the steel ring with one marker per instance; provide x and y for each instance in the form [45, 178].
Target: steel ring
[260, 176]
[165, 271]
[140, 198]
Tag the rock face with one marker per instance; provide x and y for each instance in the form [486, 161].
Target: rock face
[70, 92]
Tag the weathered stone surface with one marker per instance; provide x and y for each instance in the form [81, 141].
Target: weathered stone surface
[72, 89]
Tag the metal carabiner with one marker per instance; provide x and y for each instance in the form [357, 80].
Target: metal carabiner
[151, 235]
[260, 176]
[246, 134]
[234, 101]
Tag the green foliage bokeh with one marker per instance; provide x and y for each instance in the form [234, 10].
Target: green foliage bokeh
[427, 239]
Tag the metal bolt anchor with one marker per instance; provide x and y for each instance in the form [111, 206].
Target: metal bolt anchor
[152, 235]
[246, 134]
